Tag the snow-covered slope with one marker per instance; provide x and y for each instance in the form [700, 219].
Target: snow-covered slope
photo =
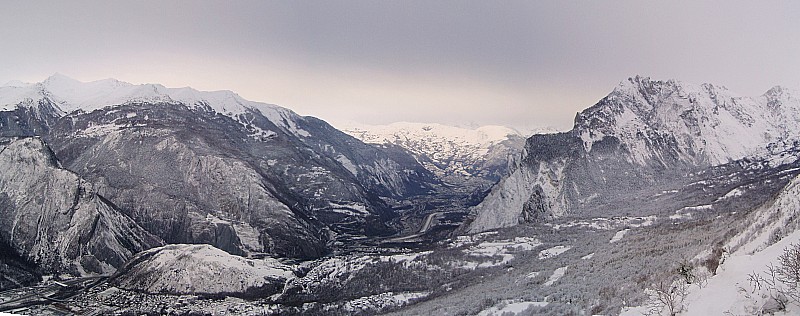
[643, 134]
[71, 95]
[452, 153]
[201, 269]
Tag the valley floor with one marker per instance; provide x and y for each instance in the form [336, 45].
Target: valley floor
[600, 265]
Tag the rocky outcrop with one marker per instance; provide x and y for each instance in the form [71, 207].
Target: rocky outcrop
[54, 219]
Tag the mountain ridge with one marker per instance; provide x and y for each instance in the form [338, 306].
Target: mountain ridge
[211, 167]
[643, 133]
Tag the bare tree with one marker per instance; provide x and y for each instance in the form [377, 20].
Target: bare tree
[668, 296]
[781, 282]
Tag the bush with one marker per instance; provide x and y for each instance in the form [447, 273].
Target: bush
[781, 282]
[788, 269]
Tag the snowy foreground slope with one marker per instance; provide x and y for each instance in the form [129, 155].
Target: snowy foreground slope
[473, 157]
[771, 229]
[645, 134]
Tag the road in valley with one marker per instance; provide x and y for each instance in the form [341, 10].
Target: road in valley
[426, 224]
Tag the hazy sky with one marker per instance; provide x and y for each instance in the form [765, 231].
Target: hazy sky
[516, 63]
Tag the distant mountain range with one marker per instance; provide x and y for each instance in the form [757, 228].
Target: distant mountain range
[473, 158]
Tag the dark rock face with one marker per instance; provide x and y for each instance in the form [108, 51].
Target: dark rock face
[29, 118]
[388, 174]
[54, 219]
[171, 167]
[14, 271]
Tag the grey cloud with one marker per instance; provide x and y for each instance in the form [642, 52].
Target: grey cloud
[537, 61]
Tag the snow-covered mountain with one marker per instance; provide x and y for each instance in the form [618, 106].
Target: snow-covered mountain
[68, 95]
[473, 157]
[644, 136]
[210, 167]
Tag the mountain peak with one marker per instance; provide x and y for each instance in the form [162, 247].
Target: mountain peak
[59, 77]
[779, 92]
[646, 85]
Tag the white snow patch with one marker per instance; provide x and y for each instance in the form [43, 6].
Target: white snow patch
[553, 251]
[335, 269]
[463, 240]
[587, 257]
[347, 164]
[618, 236]
[407, 259]
[679, 214]
[732, 193]
[722, 293]
[382, 301]
[557, 274]
[504, 249]
[604, 223]
[72, 95]
[697, 208]
[452, 150]
[352, 209]
[202, 269]
[510, 307]
[98, 130]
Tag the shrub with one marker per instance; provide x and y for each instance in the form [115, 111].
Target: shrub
[780, 282]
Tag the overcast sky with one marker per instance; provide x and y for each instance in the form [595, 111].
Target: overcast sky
[515, 63]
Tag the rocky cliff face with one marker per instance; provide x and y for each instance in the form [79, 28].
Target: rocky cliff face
[53, 218]
[645, 136]
[15, 271]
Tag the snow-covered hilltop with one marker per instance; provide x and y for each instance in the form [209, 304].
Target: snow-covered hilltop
[201, 269]
[453, 153]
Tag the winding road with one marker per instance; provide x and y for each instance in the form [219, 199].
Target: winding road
[422, 230]
[427, 224]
